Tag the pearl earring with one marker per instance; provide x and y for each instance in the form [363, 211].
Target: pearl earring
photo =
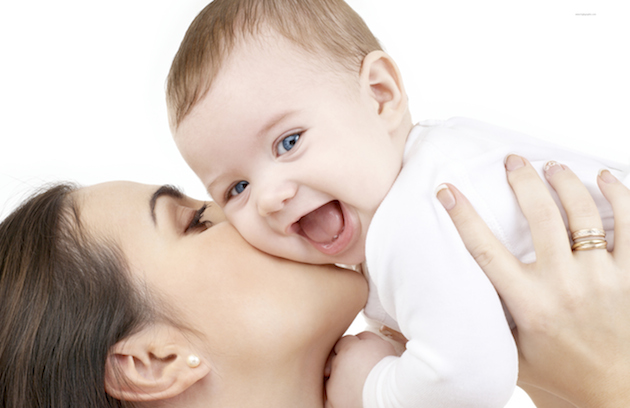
[193, 361]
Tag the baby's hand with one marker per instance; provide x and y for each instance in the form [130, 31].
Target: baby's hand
[350, 363]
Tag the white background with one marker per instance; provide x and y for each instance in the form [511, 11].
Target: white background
[81, 82]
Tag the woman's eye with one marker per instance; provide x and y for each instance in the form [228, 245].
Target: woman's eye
[287, 143]
[238, 188]
[196, 223]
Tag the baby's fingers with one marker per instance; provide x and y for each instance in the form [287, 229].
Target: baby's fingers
[619, 197]
[495, 260]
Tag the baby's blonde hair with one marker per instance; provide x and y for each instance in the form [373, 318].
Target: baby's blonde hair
[328, 28]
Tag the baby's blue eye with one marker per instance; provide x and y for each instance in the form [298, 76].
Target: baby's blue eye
[238, 188]
[287, 143]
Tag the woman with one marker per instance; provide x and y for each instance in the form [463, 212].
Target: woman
[572, 308]
[158, 298]
[138, 288]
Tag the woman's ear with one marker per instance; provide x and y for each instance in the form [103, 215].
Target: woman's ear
[380, 77]
[155, 363]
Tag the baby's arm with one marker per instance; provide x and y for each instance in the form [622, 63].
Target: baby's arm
[460, 350]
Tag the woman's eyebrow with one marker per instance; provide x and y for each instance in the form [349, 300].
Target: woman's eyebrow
[165, 190]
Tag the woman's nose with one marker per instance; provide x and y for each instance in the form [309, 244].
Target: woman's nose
[273, 198]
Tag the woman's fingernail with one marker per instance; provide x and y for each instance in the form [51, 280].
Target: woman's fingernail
[607, 176]
[445, 196]
[552, 167]
[513, 162]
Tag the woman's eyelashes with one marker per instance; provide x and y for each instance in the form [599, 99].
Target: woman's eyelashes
[237, 189]
[287, 143]
[196, 223]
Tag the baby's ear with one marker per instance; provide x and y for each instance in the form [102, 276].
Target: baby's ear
[381, 78]
[153, 364]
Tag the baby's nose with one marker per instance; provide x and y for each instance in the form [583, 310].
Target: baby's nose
[273, 199]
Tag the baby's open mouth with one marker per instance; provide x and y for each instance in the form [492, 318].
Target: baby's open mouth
[324, 225]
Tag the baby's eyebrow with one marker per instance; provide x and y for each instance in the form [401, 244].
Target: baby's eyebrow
[165, 190]
[273, 121]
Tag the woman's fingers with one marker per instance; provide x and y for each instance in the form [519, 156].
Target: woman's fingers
[545, 222]
[495, 260]
[618, 196]
[581, 210]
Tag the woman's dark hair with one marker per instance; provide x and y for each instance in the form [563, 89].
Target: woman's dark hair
[65, 299]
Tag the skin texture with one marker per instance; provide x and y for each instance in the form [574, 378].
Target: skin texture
[572, 309]
[260, 323]
[351, 129]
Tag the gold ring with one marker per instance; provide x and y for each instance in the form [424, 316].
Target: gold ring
[590, 244]
[588, 233]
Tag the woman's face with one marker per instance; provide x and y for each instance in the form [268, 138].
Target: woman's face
[247, 304]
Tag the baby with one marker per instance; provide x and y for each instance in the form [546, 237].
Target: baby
[298, 125]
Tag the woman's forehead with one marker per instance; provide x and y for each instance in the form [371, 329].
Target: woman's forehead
[113, 205]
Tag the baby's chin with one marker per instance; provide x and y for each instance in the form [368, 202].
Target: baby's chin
[304, 251]
[352, 262]
[352, 267]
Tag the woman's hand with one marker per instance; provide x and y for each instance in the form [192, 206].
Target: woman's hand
[571, 308]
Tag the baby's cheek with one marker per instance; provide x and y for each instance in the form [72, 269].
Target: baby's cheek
[255, 234]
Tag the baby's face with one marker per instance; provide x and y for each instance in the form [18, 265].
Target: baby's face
[296, 154]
